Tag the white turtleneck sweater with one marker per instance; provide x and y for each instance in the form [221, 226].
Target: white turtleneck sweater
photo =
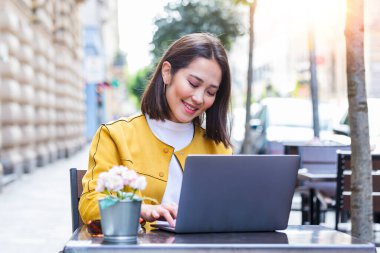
[177, 135]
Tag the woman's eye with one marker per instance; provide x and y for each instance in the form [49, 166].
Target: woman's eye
[211, 94]
[194, 85]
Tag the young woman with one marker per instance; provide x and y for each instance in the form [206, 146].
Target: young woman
[190, 84]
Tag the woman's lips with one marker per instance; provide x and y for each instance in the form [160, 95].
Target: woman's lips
[189, 108]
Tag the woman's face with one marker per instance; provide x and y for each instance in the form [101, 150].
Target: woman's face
[192, 90]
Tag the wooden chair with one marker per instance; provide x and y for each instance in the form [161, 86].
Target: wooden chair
[76, 191]
[318, 159]
[343, 191]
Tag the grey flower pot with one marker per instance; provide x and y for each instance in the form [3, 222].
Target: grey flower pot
[120, 222]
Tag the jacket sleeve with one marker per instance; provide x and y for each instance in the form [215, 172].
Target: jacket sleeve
[103, 155]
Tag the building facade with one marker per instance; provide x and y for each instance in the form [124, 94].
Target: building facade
[281, 56]
[42, 101]
[372, 47]
[103, 64]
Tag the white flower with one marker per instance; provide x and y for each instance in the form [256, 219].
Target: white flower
[139, 184]
[100, 187]
[113, 182]
[129, 177]
[119, 170]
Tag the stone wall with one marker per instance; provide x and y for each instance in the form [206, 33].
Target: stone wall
[42, 103]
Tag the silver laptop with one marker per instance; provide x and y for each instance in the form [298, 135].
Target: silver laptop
[235, 193]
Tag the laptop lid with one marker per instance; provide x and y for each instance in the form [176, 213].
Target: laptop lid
[236, 193]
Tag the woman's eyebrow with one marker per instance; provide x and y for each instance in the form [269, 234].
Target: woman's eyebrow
[196, 77]
[201, 80]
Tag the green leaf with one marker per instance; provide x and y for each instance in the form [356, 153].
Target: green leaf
[107, 202]
[138, 81]
[217, 17]
[122, 195]
[136, 198]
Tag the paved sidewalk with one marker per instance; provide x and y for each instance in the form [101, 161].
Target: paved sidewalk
[35, 211]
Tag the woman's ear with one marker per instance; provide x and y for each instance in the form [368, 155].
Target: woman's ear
[166, 72]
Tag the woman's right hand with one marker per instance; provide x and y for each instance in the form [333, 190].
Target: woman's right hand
[156, 212]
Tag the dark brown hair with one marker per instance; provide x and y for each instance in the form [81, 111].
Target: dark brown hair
[180, 54]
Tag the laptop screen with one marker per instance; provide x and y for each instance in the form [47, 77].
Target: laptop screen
[235, 193]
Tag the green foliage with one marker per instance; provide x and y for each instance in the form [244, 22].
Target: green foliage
[217, 17]
[138, 82]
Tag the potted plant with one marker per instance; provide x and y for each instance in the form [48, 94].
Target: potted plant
[120, 208]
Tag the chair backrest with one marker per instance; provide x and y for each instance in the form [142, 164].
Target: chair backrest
[343, 192]
[290, 149]
[322, 158]
[76, 190]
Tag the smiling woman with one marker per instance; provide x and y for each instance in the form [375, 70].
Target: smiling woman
[192, 90]
[196, 55]
[191, 84]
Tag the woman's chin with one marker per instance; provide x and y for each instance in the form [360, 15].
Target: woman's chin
[184, 119]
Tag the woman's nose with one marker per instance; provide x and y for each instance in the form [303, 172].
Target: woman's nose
[198, 97]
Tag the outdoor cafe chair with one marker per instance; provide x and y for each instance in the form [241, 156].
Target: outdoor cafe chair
[316, 159]
[76, 191]
[343, 191]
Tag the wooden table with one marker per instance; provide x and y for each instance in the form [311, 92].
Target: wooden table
[312, 176]
[316, 175]
[305, 238]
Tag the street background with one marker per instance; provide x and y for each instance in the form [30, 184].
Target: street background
[68, 66]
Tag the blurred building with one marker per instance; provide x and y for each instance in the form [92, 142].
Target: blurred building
[372, 46]
[282, 48]
[41, 92]
[103, 63]
[281, 55]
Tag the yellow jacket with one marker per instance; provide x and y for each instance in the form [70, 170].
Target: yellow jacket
[130, 142]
